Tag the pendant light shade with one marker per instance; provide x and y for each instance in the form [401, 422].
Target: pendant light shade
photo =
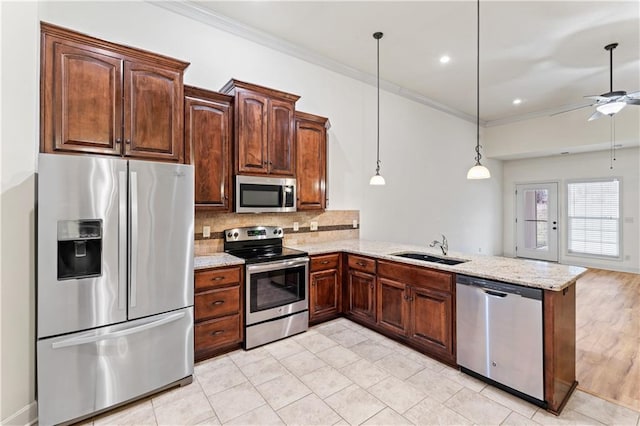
[377, 179]
[478, 171]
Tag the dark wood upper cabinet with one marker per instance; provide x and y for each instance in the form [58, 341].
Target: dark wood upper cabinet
[208, 123]
[311, 161]
[264, 129]
[99, 97]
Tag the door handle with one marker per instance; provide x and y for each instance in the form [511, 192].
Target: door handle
[81, 340]
[133, 287]
[218, 302]
[122, 240]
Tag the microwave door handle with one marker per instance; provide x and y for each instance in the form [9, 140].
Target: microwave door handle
[283, 191]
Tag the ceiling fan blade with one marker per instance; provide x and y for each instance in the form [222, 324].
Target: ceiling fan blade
[633, 101]
[595, 116]
[634, 95]
[598, 98]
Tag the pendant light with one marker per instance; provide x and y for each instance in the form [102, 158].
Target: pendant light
[478, 171]
[377, 179]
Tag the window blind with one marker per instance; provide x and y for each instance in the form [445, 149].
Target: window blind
[593, 209]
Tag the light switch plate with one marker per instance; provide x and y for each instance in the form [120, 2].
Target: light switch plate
[206, 232]
[314, 226]
[355, 223]
[296, 226]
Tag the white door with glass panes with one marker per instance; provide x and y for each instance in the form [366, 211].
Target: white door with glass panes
[537, 221]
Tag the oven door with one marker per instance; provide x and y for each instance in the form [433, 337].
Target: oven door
[276, 289]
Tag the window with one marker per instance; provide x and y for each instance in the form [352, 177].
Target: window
[593, 210]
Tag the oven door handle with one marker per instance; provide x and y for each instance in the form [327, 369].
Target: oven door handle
[279, 264]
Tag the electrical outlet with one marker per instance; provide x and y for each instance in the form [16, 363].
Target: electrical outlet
[355, 223]
[314, 226]
[296, 226]
[206, 232]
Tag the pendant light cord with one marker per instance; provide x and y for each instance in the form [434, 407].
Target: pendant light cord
[611, 69]
[378, 85]
[478, 155]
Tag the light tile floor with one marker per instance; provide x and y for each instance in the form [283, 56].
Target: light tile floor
[341, 373]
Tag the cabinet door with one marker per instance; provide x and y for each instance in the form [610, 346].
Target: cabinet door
[281, 146]
[311, 157]
[252, 133]
[208, 148]
[392, 305]
[362, 295]
[432, 320]
[85, 112]
[325, 294]
[153, 113]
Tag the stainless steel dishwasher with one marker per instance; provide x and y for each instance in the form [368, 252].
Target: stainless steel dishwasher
[499, 335]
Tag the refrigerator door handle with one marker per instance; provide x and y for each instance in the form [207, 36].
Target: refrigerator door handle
[137, 329]
[122, 240]
[133, 191]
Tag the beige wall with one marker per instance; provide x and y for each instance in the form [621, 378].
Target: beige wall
[18, 147]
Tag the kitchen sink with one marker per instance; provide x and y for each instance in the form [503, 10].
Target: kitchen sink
[429, 258]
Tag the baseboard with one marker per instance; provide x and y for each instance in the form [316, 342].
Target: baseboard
[26, 416]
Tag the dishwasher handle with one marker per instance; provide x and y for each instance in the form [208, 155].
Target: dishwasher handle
[495, 293]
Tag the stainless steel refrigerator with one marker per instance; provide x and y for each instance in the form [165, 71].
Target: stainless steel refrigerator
[114, 282]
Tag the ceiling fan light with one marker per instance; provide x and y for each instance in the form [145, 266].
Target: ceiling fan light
[611, 108]
[376, 180]
[478, 172]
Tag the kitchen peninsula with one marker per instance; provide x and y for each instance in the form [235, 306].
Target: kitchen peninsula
[413, 301]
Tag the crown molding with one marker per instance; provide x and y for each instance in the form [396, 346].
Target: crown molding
[192, 10]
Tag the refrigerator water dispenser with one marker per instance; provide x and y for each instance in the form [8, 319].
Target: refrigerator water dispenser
[79, 249]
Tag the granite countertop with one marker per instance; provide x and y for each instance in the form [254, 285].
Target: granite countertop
[216, 260]
[531, 273]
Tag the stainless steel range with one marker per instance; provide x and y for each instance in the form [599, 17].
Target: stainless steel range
[277, 288]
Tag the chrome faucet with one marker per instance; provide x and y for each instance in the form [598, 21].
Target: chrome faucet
[444, 245]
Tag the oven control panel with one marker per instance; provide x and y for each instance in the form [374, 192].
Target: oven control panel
[253, 233]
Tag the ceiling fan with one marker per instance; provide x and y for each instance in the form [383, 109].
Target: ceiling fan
[610, 103]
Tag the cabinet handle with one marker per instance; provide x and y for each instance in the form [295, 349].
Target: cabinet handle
[226, 197]
[217, 278]
[371, 286]
[128, 141]
[217, 333]
[324, 262]
[218, 302]
[118, 140]
[361, 264]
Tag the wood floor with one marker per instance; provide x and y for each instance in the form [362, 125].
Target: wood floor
[608, 336]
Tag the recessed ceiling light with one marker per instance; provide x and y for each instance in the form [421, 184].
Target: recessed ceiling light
[444, 59]
[517, 101]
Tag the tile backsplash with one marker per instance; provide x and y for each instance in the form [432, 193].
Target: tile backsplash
[332, 225]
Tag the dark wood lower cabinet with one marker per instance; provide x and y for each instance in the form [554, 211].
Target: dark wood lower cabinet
[393, 306]
[559, 330]
[362, 296]
[218, 311]
[431, 321]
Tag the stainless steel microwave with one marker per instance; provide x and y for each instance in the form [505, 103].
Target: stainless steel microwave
[257, 194]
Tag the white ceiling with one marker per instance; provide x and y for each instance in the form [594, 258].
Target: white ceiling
[548, 53]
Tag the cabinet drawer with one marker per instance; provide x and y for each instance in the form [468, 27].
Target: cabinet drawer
[363, 264]
[324, 262]
[217, 303]
[216, 278]
[416, 275]
[218, 332]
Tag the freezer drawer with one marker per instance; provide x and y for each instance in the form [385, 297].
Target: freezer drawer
[81, 373]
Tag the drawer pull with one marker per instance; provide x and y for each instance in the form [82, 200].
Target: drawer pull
[361, 264]
[217, 278]
[324, 262]
[218, 302]
[217, 333]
